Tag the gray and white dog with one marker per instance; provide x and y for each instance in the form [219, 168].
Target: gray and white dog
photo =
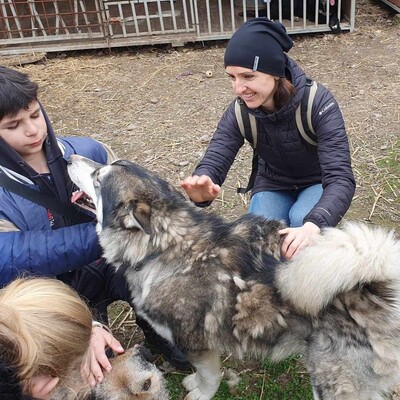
[212, 286]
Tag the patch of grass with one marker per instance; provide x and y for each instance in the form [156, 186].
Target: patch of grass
[287, 380]
[391, 160]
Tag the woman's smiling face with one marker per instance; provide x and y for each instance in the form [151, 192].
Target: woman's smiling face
[255, 88]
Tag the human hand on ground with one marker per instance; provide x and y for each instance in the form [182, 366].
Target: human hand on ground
[298, 238]
[200, 188]
[96, 360]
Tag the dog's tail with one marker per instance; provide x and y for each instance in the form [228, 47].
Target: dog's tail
[337, 262]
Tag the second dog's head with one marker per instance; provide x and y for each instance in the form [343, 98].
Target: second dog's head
[133, 377]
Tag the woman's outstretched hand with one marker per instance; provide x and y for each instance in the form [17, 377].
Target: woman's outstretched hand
[200, 188]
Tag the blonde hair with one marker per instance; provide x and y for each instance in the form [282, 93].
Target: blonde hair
[44, 328]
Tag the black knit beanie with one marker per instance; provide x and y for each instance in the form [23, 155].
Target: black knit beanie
[259, 44]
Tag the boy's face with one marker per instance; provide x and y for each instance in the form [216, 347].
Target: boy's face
[25, 131]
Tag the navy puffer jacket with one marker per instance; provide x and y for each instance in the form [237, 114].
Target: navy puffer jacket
[30, 241]
[286, 161]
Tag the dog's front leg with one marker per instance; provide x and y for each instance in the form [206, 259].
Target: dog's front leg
[204, 383]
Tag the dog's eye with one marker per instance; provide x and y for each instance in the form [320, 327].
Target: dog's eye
[146, 385]
[95, 176]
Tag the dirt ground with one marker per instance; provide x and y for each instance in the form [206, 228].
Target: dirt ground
[156, 106]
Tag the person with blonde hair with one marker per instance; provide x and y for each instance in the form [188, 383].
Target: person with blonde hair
[45, 330]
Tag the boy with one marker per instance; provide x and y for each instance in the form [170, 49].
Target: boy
[57, 240]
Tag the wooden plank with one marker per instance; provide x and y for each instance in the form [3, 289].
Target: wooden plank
[21, 59]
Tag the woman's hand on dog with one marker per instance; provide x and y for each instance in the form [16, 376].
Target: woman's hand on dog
[200, 188]
[96, 360]
[297, 239]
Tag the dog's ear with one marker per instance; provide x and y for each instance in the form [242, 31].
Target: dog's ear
[138, 217]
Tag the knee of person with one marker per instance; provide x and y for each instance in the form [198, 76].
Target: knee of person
[253, 209]
[256, 209]
[267, 208]
[295, 219]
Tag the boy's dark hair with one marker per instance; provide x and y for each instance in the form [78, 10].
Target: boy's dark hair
[17, 92]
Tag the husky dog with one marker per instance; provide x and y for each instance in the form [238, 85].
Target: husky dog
[212, 286]
[133, 377]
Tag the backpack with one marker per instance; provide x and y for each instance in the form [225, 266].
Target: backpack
[248, 126]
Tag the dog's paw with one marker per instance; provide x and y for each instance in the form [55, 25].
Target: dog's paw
[195, 394]
[190, 382]
[196, 391]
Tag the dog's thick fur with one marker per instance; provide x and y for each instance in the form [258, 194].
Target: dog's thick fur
[212, 286]
[133, 377]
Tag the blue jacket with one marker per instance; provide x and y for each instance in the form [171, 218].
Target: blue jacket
[36, 248]
[285, 160]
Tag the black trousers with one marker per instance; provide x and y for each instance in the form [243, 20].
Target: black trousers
[100, 285]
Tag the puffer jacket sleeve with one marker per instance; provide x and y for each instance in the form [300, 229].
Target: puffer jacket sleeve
[223, 147]
[335, 161]
[47, 252]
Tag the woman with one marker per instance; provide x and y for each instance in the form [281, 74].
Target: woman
[45, 329]
[310, 189]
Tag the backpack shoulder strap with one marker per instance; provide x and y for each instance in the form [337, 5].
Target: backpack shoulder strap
[248, 128]
[304, 113]
[43, 200]
[247, 123]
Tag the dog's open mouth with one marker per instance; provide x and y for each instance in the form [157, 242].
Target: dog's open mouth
[81, 199]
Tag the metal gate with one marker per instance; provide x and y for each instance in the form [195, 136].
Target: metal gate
[59, 25]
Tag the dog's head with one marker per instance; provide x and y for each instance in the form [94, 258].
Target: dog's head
[133, 376]
[121, 192]
[131, 204]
